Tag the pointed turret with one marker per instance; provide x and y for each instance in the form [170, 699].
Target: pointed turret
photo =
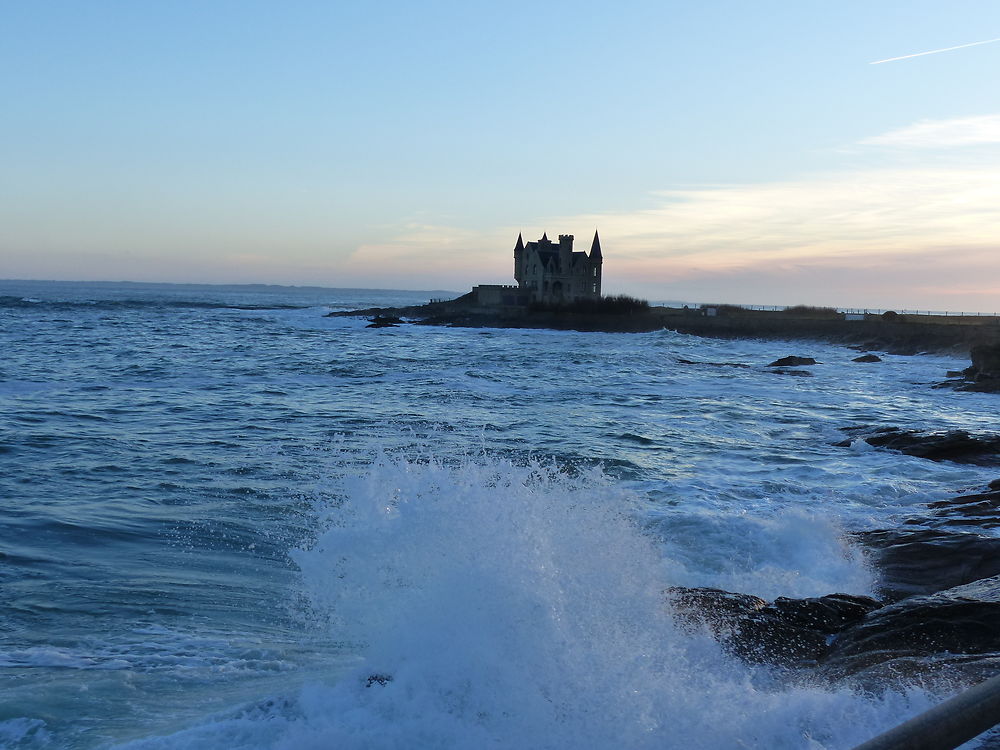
[595, 248]
[545, 237]
[519, 259]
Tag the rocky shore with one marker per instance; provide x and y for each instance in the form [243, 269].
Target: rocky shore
[890, 332]
[935, 619]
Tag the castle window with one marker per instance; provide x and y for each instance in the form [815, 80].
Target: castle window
[595, 272]
[594, 288]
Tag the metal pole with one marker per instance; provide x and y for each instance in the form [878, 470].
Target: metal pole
[947, 725]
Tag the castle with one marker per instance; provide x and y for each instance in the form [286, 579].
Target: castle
[549, 273]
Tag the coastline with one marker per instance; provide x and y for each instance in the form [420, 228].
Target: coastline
[894, 333]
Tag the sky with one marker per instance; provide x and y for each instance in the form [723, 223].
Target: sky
[743, 152]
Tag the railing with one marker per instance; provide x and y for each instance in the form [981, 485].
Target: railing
[947, 725]
[848, 310]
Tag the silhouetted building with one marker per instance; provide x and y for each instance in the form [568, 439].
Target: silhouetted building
[552, 273]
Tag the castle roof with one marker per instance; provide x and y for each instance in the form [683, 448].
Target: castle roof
[595, 249]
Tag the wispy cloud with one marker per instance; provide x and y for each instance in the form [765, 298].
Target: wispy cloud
[955, 132]
[935, 51]
[903, 236]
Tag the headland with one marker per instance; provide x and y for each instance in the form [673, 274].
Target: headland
[890, 331]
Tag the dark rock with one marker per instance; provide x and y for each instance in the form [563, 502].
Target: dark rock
[787, 632]
[955, 445]
[867, 358]
[960, 620]
[795, 373]
[925, 561]
[719, 610]
[985, 360]
[710, 364]
[994, 485]
[988, 385]
[793, 361]
[384, 321]
[981, 510]
[767, 638]
[378, 679]
[828, 614]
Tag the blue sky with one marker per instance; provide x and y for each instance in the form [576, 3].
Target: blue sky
[727, 151]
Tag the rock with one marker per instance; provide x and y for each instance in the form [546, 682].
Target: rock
[983, 375]
[793, 361]
[981, 510]
[787, 632]
[719, 610]
[867, 358]
[828, 614]
[710, 364]
[988, 385]
[767, 639]
[960, 620]
[926, 561]
[384, 321]
[954, 445]
[985, 361]
[796, 373]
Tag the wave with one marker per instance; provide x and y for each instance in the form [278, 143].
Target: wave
[17, 302]
[519, 606]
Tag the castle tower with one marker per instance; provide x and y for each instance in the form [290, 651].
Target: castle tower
[595, 266]
[565, 253]
[519, 259]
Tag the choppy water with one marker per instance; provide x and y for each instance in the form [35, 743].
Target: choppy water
[223, 511]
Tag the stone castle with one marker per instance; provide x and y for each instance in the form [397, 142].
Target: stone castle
[548, 273]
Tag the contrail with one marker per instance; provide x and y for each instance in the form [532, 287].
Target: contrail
[934, 51]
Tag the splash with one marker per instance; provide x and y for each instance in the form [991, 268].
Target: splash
[521, 606]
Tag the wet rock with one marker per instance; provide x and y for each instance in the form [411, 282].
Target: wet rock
[981, 510]
[377, 678]
[926, 561]
[985, 361]
[867, 358]
[828, 614]
[954, 445]
[767, 639]
[682, 361]
[960, 620]
[794, 373]
[792, 361]
[719, 610]
[984, 385]
[384, 321]
[786, 632]
[983, 375]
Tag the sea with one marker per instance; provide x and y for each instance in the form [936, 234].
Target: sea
[231, 521]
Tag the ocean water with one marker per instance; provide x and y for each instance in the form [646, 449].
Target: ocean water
[230, 521]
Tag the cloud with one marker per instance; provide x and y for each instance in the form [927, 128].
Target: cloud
[939, 134]
[934, 51]
[889, 211]
[924, 235]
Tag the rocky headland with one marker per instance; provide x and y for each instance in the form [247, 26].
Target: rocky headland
[889, 332]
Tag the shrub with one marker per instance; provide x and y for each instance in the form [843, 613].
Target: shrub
[809, 311]
[621, 304]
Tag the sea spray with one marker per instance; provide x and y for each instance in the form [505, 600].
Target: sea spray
[521, 606]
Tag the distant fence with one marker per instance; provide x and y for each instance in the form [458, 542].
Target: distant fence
[854, 310]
